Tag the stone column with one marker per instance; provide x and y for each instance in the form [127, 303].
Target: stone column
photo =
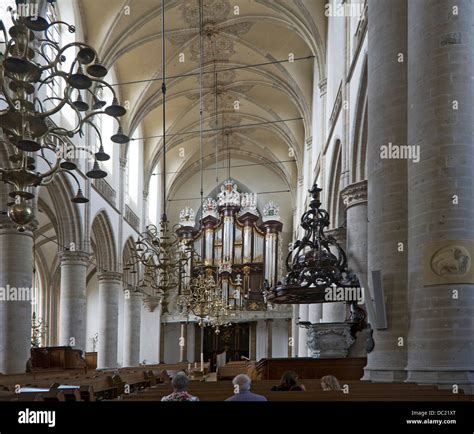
[161, 350]
[303, 316]
[441, 200]
[72, 299]
[110, 283]
[295, 330]
[335, 312]
[387, 183]
[269, 334]
[16, 270]
[183, 343]
[190, 342]
[355, 199]
[131, 330]
[289, 327]
[315, 313]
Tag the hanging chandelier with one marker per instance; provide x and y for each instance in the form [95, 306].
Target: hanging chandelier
[30, 62]
[316, 264]
[221, 316]
[163, 258]
[200, 296]
[203, 297]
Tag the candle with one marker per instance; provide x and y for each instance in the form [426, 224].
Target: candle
[189, 367]
[202, 362]
[195, 364]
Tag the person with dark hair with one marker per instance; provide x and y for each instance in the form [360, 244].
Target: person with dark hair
[289, 382]
[180, 389]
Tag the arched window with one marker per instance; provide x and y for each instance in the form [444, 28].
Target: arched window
[133, 170]
[153, 202]
[336, 206]
[106, 125]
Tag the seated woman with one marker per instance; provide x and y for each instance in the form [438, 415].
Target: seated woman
[180, 384]
[289, 382]
[330, 383]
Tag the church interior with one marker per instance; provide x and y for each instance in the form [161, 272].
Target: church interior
[200, 195]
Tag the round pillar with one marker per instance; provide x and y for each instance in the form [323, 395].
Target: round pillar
[387, 183]
[131, 331]
[72, 299]
[110, 283]
[16, 292]
[441, 200]
[302, 338]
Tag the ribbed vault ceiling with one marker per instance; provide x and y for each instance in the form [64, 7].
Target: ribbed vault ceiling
[128, 37]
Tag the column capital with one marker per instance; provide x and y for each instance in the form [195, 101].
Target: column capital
[355, 194]
[110, 276]
[309, 142]
[73, 257]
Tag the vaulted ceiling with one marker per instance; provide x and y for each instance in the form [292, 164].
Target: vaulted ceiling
[127, 34]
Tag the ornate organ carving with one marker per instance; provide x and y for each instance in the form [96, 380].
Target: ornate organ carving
[237, 242]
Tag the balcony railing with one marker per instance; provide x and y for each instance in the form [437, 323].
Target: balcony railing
[105, 189]
[132, 218]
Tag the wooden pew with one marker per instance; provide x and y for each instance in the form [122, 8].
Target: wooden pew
[358, 391]
[230, 370]
[305, 367]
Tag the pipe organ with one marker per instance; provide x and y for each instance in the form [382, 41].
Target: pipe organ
[237, 242]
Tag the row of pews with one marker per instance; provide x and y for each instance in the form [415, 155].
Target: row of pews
[352, 391]
[81, 385]
[152, 382]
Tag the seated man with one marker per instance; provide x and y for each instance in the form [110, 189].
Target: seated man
[242, 391]
[180, 389]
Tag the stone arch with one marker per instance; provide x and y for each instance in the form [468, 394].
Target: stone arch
[69, 222]
[129, 278]
[103, 243]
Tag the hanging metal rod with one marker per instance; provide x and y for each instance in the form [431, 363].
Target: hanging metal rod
[230, 127]
[230, 68]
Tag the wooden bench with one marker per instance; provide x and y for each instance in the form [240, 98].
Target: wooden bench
[230, 370]
[358, 391]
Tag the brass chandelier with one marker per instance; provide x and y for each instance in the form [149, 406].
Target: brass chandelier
[30, 62]
[200, 296]
[204, 298]
[163, 258]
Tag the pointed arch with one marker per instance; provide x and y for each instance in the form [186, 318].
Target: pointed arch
[103, 243]
[129, 277]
